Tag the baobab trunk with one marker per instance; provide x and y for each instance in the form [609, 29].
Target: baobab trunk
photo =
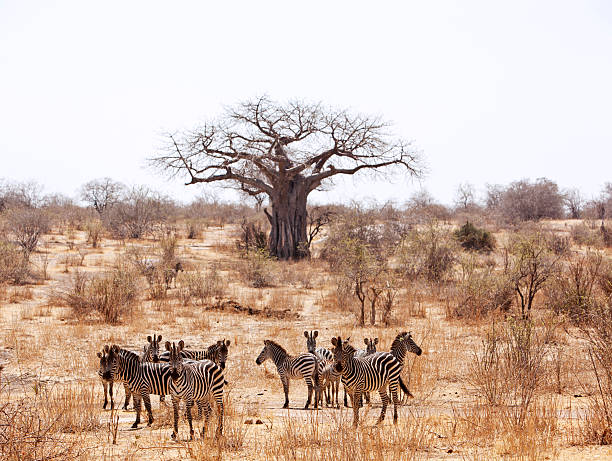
[288, 221]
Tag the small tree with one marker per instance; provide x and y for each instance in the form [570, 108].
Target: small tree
[472, 238]
[102, 194]
[465, 196]
[532, 264]
[573, 201]
[27, 225]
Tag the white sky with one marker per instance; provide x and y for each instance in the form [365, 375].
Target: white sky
[490, 91]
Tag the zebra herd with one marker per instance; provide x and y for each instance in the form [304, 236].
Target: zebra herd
[197, 377]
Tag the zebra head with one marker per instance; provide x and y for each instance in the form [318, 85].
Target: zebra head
[110, 369]
[370, 345]
[311, 340]
[221, 352]
[266, 353]
[151, 351]
[343, 352]
[176, 359]
[103, 356]
[411, 346]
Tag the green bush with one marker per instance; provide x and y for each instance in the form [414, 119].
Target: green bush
[471, 237]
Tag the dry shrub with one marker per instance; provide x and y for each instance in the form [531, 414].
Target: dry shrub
[596, 426]
[46, 423]
[257, 269]
[111, 295]
[510, 367]
[94, 232]
[429, 253]
[27, 225]
[252, 237]
[574, 290]
[14, 264]
[201, 286]
[480, 292]
[582, 234]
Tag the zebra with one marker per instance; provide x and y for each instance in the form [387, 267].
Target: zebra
[324, 357]
[171, 273]
[368, 374]
[370, 349]
[143, 378]
[215, 353]
[108, 383]
[194, 381]
[151, 350]
[292, 367]
[329, 379]
[311, 345]
[402, 344]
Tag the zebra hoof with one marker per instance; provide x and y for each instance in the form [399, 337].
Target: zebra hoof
[286, 405]
[135, 426]
[173, 435]
[104, 407]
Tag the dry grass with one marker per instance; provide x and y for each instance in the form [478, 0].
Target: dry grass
[55, 396]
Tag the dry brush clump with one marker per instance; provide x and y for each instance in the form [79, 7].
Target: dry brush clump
[510, 368]
[109, 295]
[14, 264]
[47, 423]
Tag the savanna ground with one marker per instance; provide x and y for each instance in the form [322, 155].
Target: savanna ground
[51, 397]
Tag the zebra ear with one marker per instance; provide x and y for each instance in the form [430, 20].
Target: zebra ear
[115, 348]
[306, 334]
[316, 333]
[168, 345]
[149, 338]
[181, 345]
[99, 354]
[159, 338]
[365, 341]
[334, 341]
[106, 348]
[266, 341]
[375, 340]
[227, 343]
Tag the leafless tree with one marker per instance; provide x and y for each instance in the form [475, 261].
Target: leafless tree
[465, 196]
[27, 225]
[285, 151]
[102, 193]
[318, 218]
[574, 202]
[20, 195]
[531, 201]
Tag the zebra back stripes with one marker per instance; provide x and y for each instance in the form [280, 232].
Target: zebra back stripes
[292, 367]
[215, 353]
[194, 381]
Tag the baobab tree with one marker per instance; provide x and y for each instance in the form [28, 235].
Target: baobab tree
[285, 151]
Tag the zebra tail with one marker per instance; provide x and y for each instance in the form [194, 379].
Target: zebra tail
[316, 374]
[404, 388]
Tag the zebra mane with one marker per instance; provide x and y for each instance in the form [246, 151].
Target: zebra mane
[397, 342]
[348, 347]
[277, 346]
[129, 355]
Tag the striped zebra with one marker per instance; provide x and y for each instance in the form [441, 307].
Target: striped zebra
[108, 383]
[370, 349]
[324, 357]
[311, 345]
[143, 378]
[151, 350]
[372, 373]
[215, 353]
[402, 344]
[194, 381]
[329, 380]
[292, 367]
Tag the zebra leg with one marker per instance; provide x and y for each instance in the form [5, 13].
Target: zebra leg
[219, 400]
[367, 397]
[310, 389]
[396, 401]
[175, 408]
[385, 400]
[356, 396]
[286, 390]
[207, 411]
[128, 394]
[147, 402]
[189, 405]
[105, 384]
[162, 399]
[199, 404]
[336, 391]
[137, 408]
